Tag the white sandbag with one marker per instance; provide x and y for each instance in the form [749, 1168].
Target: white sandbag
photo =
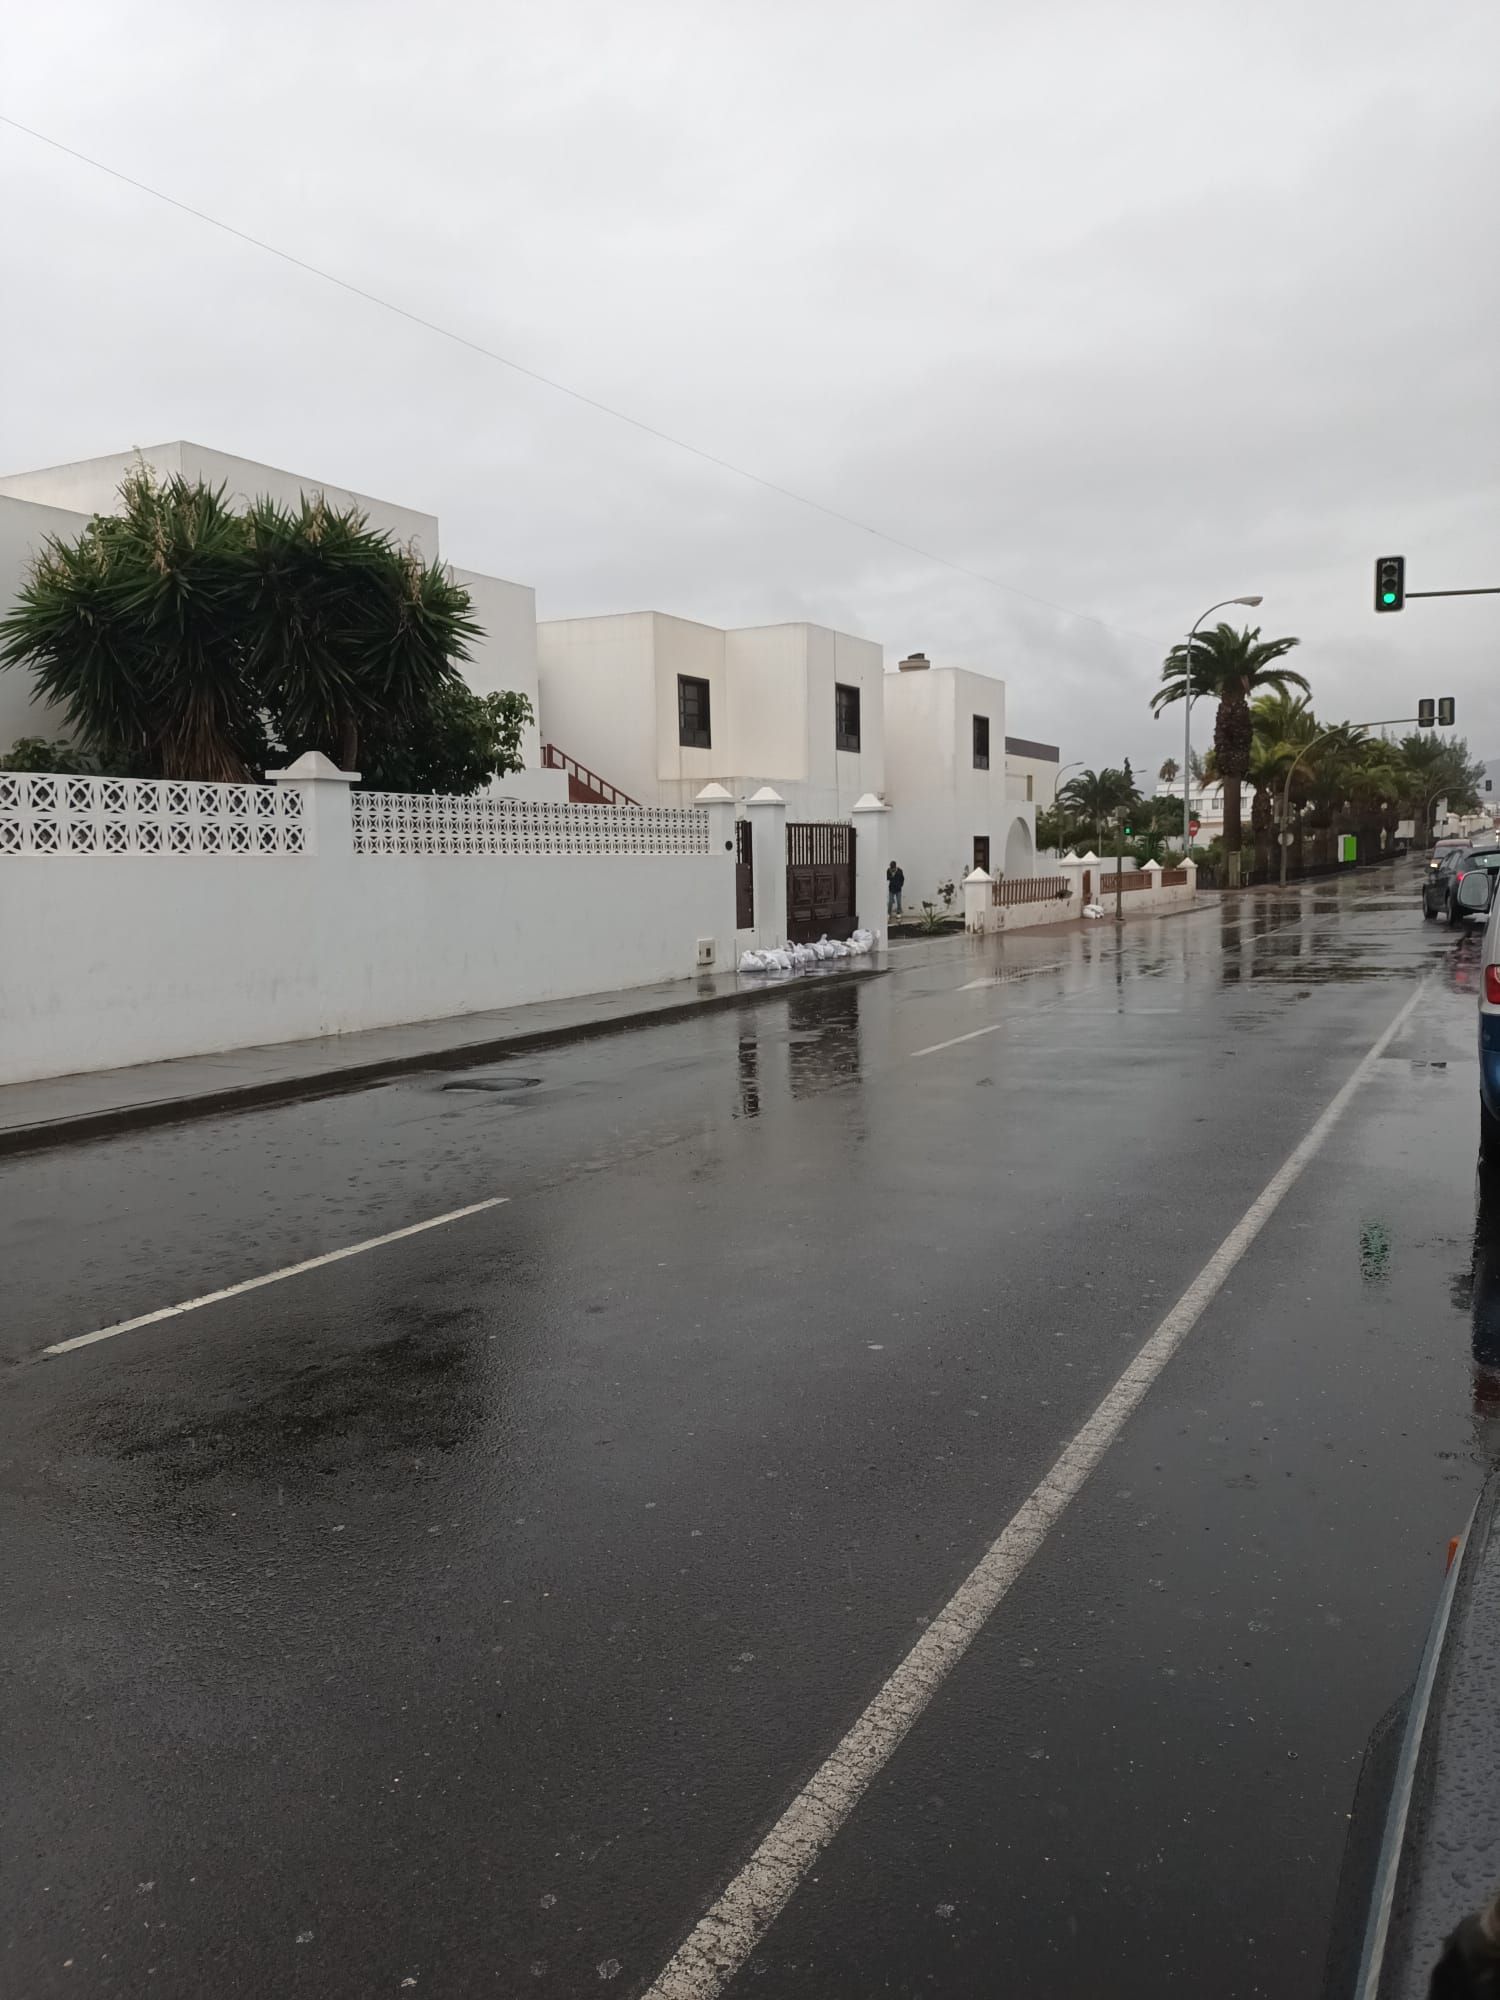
[753, 961]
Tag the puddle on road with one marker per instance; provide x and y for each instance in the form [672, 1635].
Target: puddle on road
[498, 1086]
[376, 1415]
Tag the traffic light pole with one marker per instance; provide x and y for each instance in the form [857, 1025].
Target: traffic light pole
[1391, 593]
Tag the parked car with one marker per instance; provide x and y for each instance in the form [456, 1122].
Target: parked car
[1440, 848]
[1475, 894]
[1439, 891]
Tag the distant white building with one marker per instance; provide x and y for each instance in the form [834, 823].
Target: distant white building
[955, 806]
[660, 706]
[60, 499]
[1206, 804]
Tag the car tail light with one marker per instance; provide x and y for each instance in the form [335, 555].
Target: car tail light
[1492, 984]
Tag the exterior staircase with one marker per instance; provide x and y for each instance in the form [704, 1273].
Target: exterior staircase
[585, 787]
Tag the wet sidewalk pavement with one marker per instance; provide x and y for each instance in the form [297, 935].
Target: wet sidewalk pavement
[61, 1108]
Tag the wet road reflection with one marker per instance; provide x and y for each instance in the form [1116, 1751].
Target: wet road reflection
[470, 1608]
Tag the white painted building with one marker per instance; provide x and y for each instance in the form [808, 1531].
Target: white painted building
[1032, 769]
[653, 705]
[661, 706]
[60, 499]
[954, 805]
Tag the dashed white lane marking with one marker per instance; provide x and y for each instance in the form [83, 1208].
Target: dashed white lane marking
[993, 1029]
[725, 1936]
[272, 1277]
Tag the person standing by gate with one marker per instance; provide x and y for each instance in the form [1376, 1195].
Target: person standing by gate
[895, 882]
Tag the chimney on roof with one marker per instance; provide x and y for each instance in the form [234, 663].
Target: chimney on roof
[915, 663]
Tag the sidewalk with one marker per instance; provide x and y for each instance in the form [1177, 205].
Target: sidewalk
[60, 1108]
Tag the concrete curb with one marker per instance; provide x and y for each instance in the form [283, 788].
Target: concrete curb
[358, 1075]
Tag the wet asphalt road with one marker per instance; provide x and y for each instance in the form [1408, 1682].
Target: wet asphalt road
[457, 1617]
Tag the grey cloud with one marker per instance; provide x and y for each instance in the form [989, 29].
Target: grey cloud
[1132, 307]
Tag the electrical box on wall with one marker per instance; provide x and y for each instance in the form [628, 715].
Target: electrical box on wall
[705, 952]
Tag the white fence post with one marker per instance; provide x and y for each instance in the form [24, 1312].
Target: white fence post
[871, 820]
[719, 807]
[767, 810]
[325, 794]
[977, 895]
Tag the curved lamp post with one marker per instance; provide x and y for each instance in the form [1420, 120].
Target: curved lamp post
[1187, 720]
[1076, 765]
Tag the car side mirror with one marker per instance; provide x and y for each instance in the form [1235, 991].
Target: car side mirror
[1476, 890]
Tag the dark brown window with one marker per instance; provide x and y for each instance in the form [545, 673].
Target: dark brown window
[981, 743]
[845, 717]
[692, 713]
[982, 852]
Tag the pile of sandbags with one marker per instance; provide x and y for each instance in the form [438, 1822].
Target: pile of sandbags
[802, 957]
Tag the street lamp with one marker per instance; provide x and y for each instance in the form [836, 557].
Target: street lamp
[1187, 720]
[1076, 765]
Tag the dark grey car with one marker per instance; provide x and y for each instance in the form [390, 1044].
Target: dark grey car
[1440, 888]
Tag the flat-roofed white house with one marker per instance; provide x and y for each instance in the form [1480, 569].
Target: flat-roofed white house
[659, 706]
[1032, 767]
[59, 500]
[954, 806]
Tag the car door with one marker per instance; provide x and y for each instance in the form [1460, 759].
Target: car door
[1447, 877]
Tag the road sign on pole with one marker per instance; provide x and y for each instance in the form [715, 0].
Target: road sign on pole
[1193, 826]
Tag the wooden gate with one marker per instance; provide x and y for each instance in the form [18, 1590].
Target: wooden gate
[744, 877]
[819, 881]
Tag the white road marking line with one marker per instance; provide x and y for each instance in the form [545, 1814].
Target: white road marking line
[272, 1277]
[993, 1029]
[725, 1936]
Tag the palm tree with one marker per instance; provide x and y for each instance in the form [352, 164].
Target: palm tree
[135, 633]
[1168, 771]
[183, 640]
[1282, 726]
[1229, 667]
[349, 631]
[1096, 796]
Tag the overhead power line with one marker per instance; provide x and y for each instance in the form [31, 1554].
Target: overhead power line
[562, 388]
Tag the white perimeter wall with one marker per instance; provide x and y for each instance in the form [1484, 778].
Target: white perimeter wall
[136, 958]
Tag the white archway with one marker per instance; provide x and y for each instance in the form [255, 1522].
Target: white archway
[1020, 850]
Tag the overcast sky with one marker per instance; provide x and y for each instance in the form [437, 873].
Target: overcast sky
[1127, 306]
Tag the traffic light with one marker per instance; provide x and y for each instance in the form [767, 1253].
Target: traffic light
[1390, 583]
[1446, 712]
[1426, 714]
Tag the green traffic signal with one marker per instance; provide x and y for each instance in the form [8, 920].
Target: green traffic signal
[1390, 583]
